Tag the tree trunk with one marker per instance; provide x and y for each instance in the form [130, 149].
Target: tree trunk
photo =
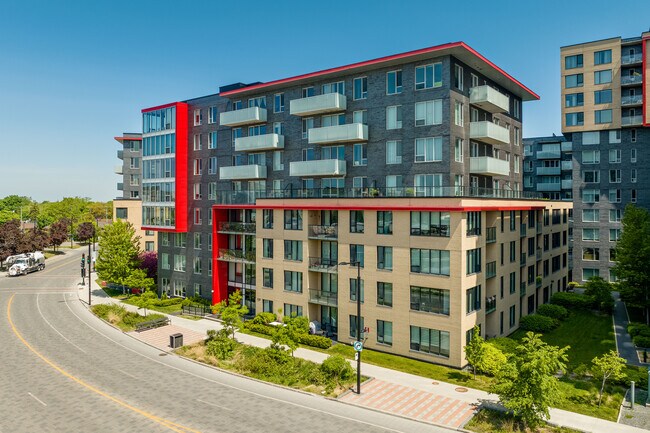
[602, 387]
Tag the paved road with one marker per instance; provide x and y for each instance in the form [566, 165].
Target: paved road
[624, 344]
[63, 370]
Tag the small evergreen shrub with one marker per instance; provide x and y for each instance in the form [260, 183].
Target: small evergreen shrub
[554, 311]
[337, 367]
[263, 318]
[635, 329]
[641, 341]
[315, 341]
[538, 323]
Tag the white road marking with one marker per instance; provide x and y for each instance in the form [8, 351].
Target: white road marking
[36, 398]
[232, 386]
[212, 404]
[127, 374]
[38, 306]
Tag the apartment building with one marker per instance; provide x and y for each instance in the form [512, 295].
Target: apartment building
[409, 164]
[548, 167]
[129, 206]
[604, 120]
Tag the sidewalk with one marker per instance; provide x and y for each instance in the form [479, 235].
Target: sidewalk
[393, 391]
[624, 344]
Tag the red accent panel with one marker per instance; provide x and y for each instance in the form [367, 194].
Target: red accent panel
[219, 268]
[182, 211]
[379, 208]
[160, 107]
[381, 60]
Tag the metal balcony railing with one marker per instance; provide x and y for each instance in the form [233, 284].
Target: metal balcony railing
[432, 230]
[490, 304]
[491, 270]
[232, 255]
[322, 264]
[324, 231]
[491, 236]
[237, 227]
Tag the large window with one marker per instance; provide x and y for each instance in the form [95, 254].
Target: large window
[603, 116]
[574, 119]
[293, 281]
[394, 117]
[293, 250]
[393, 82]
[385, 222]
[430, 341]
[293, 220]
[267, 280]
[394, 152]
[292, 310]
[428, 76]
[590, 215]
[354, 290]
[430, 223]
[385, 258]
[473, 298]
[357, 253]
[603, 96]
[430, 300]
[473, 261]
[590, 195]
[590, 234]
[424, 261]
[267, 248]
[474, 223]
[571, 62]
[603, 77]
[602, 57]
[575, 80]
[278, 103]
[385, 294]
[591, 156]
[356, 221]
[428, 112]
[574, 100]
[360, 88]
[353, 326]
[385, 332]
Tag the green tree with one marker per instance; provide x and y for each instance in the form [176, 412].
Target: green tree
[118, 252]
[14, 203]
[632, 258]
[232, 311]
[289, 334]
[607, 366]
[601, 291]
[526, 384]
[474, 349]
[138, 279]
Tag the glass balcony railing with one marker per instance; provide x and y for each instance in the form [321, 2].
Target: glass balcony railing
[632, 120]
[632, 100]
[323, 298]
[490, 304]
[324, 232]
[491, 270]
[323, 264]
[522, 289]
[491, 236]
[631, 59]
[631, 79]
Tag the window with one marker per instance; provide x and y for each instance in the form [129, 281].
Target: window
[590, 195]
[385, 223]
[603, 116]
[473, 299]
[197, 141]
[164, 259]
[574, 100]
[615, 136]
[632, 155]
[571, 81]
[393, 82]
[212, 140]
[338, 87]
[614, 196]
[164, 239]
[198, 169]
[590, 254]
[513, 282]
[473, 261]
[267, 218]
[356, 254]
[293, 219]
[385, 258]
[267, 248]
[428, 149]
[198, 219]
[589, 272]
[278, 160]
[633, 135]
[603, 77]
[212, 165]
[590, 215]
[197, 241]
[516, 164]
[354, 291]
[430, 300]
[385, 294]
[571, 62]
[197, 265]
[353, 327]
[394, 117]
[574, 119]
[458, 77]
[236, 133]
[360, 116]
[292, 310]
[458, 150]
[591, 234]
[293, 281]
[428, 112]
[430, 223]
[180, 240]
[513, 317]
[385, 332]
[633, 175]
[474, 223]
[267, 306]
[356, 221]
[179, 262]
[614, 176]
[307, 92]
[198, 117]
[459, 115]
[428, 76]
[633, 197]
[591, 157]
[332, 120]
[360, 154]
[615, 215]
[591, 176]
[278, 103]
[360, 88]
[212, 191]
[614, 156]
[394, 152]
[121, 213]
[307, 124]
[603, 97]
[394, 185]
[425, 261]
[260, 101]
[428, 185]
[293, 250]
[602, 57]
[430, 341]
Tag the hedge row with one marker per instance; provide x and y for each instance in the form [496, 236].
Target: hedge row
[635, 329]
[553, 311]
[306, 339]
[574, 301]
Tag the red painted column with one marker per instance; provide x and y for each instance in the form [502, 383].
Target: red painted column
[219, 268]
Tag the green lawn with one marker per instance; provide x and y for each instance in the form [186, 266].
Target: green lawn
[490, 421]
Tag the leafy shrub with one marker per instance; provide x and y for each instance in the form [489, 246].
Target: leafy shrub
[263, 318]
[103, 310]
[538, 323]
[641, 341]
[259, 328]
[635, 329]
[315, 341]
[337, 367]
[195, 300]
[638, 374]
[572, 301]
[504, 344]
[492, 360]
[554, 311]
[220, 345]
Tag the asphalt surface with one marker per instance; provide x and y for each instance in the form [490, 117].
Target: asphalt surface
[64, 370]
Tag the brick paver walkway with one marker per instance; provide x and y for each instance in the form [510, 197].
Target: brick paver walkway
[159, 337]
[412, 403]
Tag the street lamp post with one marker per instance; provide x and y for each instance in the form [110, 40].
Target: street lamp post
[89, 271]
[358, 295]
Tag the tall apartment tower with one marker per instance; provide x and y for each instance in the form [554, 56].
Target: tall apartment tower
[605, 118]
[129, 206]
[408, 164]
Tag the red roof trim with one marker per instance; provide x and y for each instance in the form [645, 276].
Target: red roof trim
[159, 107]
[378, 61]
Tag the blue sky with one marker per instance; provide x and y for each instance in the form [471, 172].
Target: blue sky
[74, 74]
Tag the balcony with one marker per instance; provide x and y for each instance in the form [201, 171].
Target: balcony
[322, 264]
[522, 289]
[489, 99]
[490, 270]
[120, 154]
[549, 187]
[522, 259]
[323, 298]
[566, 146]
[120, 186]
[539, 228]
[538, 254]
[490, 304]
[548, 154]
[631, 80]
[567, 184]
[320, 104]
[632, 100]
[245, 116]
[243, 172]
[566, 165]
[338, 134]
[632, 120]
[232, 255]
[522, 230]
[632, 59]
[237, 227]
[491, 235]
[489, 132]
[439, 230]
[548, 171]
[258, 143]
[330, 232]
[317, 168]
[489, 166]
[119, 169]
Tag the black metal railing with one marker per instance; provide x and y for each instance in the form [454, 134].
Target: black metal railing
[237, 227]
[490, 304]
[324, 231]
[323, 264]
[195, 310]
[432, 230]
[236, 255]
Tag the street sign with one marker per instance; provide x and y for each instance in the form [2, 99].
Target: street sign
[356, 356]
[358, 346]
